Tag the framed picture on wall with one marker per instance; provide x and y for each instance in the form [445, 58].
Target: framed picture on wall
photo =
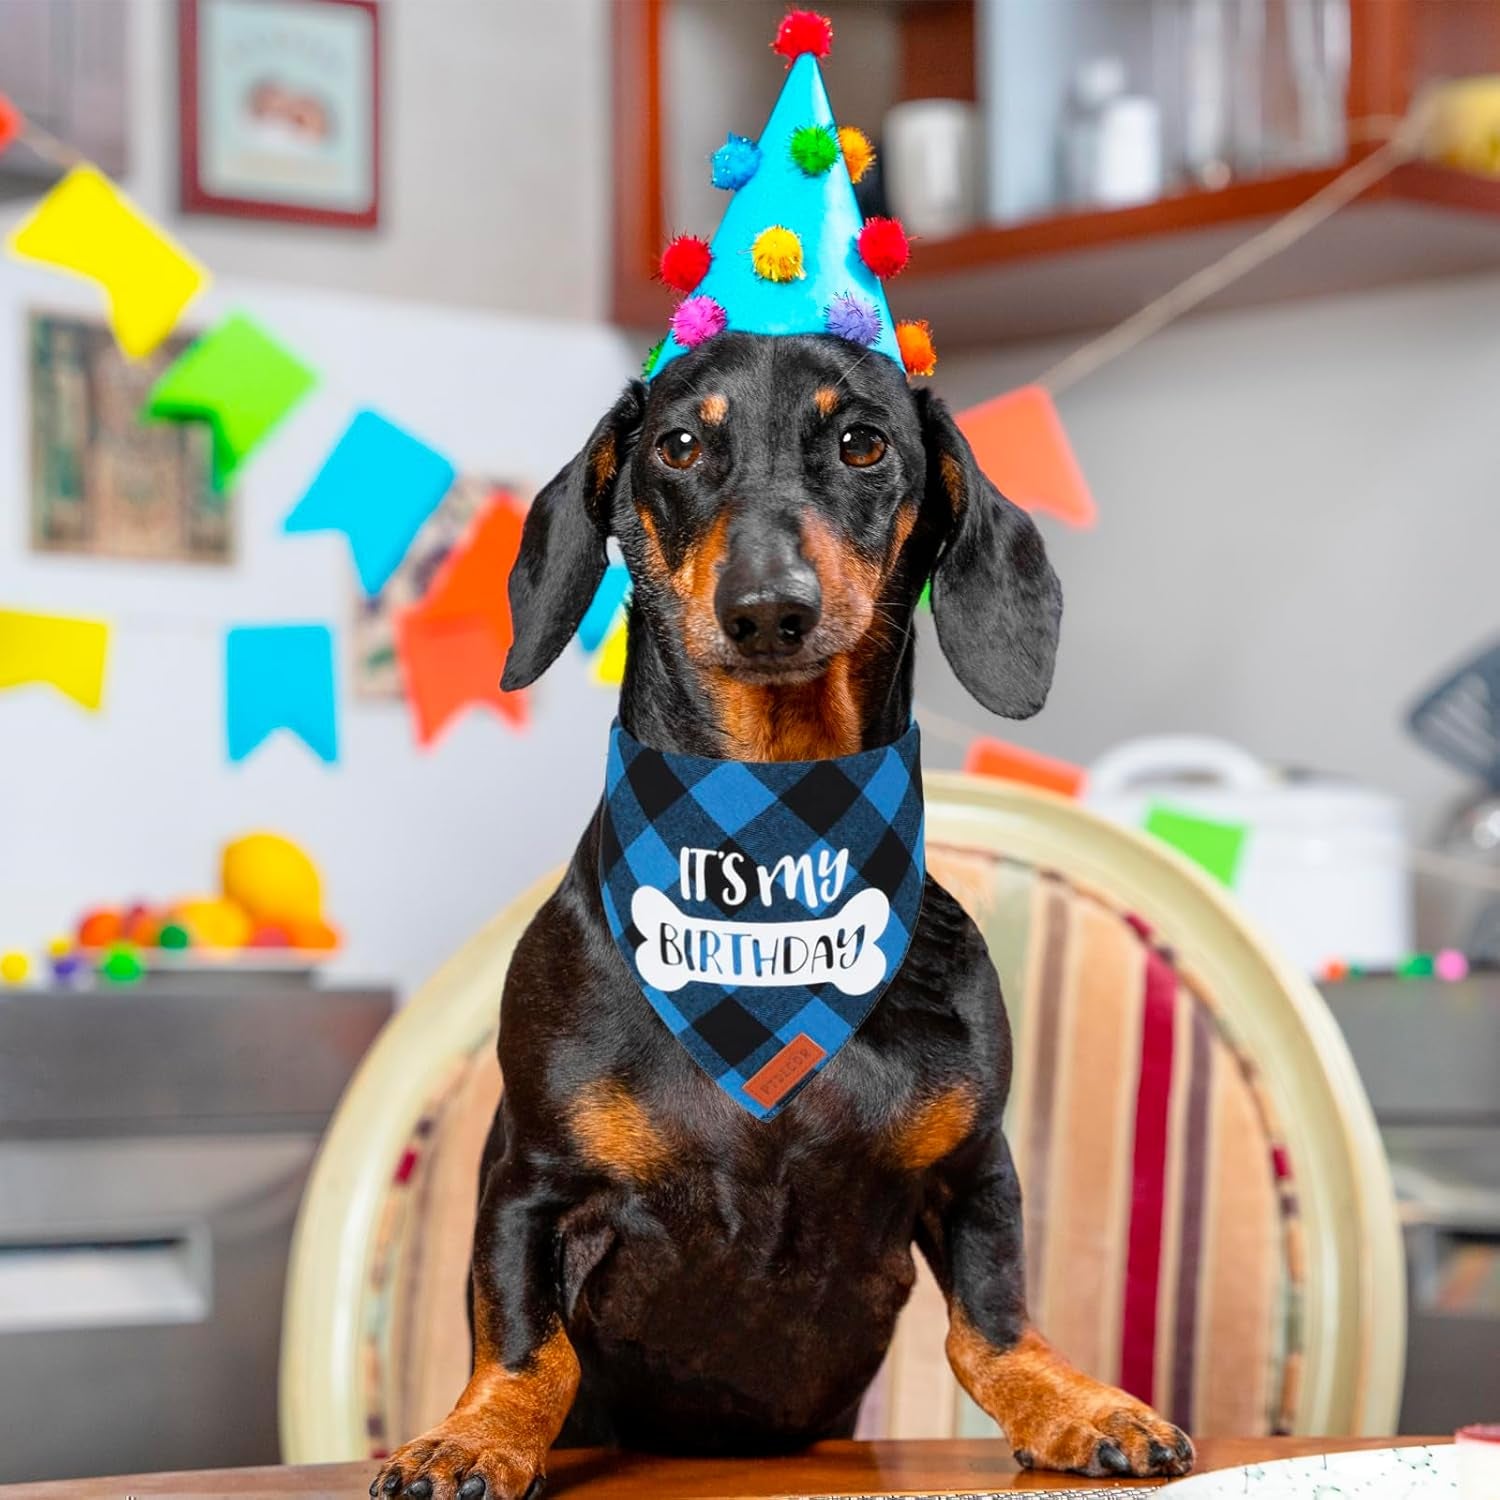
[104, 483]
[280, 104]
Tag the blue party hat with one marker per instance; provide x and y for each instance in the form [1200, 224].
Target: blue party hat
[793, 253]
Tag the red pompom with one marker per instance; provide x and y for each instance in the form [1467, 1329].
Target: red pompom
[883, 246]
[803, 31]
[685, 262]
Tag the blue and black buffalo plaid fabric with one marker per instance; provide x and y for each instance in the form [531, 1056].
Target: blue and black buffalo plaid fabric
[762, 908]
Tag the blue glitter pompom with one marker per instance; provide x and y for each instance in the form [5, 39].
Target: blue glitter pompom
[854, 318]
[735, 162]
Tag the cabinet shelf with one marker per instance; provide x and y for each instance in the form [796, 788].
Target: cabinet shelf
[1073, 270]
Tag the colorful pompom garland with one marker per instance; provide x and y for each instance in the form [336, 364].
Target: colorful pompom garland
[853, 317]
[697, 319]
[803, 31]
[859, 154]
[884, 247]
[918, 352]
[648, 365]
[685, 262]
[814, 149]
[735, 162]
[777, 254]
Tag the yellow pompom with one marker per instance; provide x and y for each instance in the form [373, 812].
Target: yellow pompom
[859, 154]
[14, 967]
[777, 255]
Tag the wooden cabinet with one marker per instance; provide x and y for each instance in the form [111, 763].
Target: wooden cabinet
[680, 64]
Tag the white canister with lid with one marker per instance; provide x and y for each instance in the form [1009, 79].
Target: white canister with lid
[1323, 870]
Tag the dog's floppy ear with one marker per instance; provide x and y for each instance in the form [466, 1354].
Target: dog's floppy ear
[995, 598]
[562, 554]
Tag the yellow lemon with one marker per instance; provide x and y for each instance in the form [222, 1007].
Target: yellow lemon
[272, 879]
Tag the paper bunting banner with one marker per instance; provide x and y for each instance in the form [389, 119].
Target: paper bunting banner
[67, 653]
[1215, 846]
[12, 123]
[377, 486]
[609, 599]
[987, 757]
[280, 677]
[609, 665]
[240, 381]
[452, 645]
[85, 224]
[1019, 442]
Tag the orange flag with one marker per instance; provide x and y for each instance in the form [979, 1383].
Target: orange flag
[987, 757]
[452, 645]
[1019, 441]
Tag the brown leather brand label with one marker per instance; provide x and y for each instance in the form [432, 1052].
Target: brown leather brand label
[785, 1071]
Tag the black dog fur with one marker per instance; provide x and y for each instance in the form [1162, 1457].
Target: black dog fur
[653, 1267]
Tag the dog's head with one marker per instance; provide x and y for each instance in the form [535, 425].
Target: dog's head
[780, 503]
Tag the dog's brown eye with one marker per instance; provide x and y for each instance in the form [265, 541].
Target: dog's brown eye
[679, 450]
[860, 447]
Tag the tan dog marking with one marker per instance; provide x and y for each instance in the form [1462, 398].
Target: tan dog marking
[603, 461]
[713, 409]
[615, 1133]
[934, 1128]
[1056, 1417]
[503, 1424]
[825, 398]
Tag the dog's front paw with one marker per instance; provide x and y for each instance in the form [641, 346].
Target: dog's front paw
[467, 1457]
[1112, 1435]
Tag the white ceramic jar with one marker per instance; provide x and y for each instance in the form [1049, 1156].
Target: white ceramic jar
[1323, 870]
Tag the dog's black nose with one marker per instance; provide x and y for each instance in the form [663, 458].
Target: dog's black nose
[768, 612]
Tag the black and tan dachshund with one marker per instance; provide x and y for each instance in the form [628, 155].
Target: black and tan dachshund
[653, 1267]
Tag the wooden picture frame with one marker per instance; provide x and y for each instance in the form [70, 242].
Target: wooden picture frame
[280, 106]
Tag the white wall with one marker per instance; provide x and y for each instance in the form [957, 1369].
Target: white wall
[495, 182]
[1298, 530]
[418, 848]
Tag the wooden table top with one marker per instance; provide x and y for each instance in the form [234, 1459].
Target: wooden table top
[971, 1466]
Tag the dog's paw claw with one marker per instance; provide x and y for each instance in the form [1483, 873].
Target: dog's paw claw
[458, 1461]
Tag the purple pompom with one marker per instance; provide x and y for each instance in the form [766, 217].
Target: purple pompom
[697, 319]
[854, 318]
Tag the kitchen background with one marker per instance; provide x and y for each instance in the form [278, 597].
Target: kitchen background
[1296, 527]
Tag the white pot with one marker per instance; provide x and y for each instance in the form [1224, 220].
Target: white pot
[1323, 870]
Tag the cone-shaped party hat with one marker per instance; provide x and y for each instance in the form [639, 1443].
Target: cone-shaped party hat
[793, 253]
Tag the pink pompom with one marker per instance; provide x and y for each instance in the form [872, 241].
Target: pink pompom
[1451, 965]
[697, 319]
[803, 31]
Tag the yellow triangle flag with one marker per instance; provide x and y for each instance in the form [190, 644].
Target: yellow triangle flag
[86, 225]
[609, 664]
[66, 652]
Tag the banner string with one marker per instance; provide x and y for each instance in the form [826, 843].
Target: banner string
[1401, 145]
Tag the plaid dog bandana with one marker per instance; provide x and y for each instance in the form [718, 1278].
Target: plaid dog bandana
[762, 907]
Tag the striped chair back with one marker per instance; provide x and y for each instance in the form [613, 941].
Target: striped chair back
[1184, 1115]
[1162, 1241]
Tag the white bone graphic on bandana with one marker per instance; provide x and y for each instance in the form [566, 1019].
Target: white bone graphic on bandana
[841, 949]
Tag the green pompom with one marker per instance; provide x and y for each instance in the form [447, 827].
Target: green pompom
[652, 355]
[815, 148]
[175, 936]
[122, 965]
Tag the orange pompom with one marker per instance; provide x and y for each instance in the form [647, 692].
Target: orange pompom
[883, 246]
[859, 154]
[315, 936]
[803, 31]
[100, 928]
[918, 352]
[685, 262]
